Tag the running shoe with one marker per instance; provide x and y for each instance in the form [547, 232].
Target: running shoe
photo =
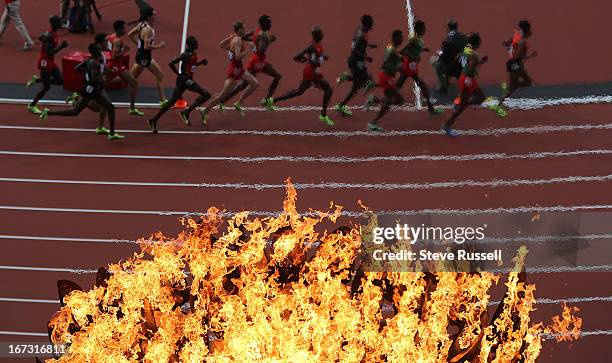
[370, 85]
[239, 109]
[115, 136]
[449, 132]
[374, 127]
[491, 103]
[268, 103]
[35, 110]
[164, 102]
[44, 114]
[343, 78]
[185, 117]
[369, 103]
[326, 120]
[135, 112]
[456, 103]
[204, 116]
[72, 99]
[500, 111]
[504, 89]
[221, 107]
[343, 110]
[152, 125]
[436, 111]
[102, 130]
[32, 81]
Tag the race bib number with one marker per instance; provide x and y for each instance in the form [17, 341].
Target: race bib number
[464, 61]
[515, 66]
[89, 89]
[144, 62]
[468, 81]
[230, 55]
[189, 82]
[43, 63]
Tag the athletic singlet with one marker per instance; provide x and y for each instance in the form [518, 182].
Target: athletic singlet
[314, 54]
[391, 62]
[359, 45]
[50, 40]
[111, 40]
[93, 81]
[232, 57]
[414, 48]
[188, 67]
[141, 42]
[468, 51]
[254, 39]
[514, 46]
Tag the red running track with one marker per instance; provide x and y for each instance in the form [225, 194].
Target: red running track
[47, 138]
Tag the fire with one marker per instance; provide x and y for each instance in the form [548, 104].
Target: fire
[277, 290]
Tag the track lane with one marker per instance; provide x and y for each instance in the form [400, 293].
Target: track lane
[199, 171]
[198, 199]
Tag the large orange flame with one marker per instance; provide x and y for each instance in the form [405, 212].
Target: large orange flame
[277, 290]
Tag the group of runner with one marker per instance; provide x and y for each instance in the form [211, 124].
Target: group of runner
[401, 62]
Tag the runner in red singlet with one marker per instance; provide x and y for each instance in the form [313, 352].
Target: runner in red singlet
[518, 51]
[235, 45]
[470, 92]
[49, 71]
[117, 69]
[314, 56]
[258, 63]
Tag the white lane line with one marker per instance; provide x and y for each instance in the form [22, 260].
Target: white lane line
[66, 239]
[515, 239]
[47, 269]
[37, 301]
[23, 333]
[536, 103]
[410, 16]
[495, 183]
[558, 269]
[540, 239]
[327, 159]
[536, 129]
[546, 336]
[350, 214]
[541, 301]
[185, 24]
[568, 300]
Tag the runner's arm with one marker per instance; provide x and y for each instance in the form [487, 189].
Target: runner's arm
[54, 51]
[184, 57]
[115, 49]
[225, 43]
[133, 34]
[95, 8]
[148, 34]
[237, 48]
[300, 57]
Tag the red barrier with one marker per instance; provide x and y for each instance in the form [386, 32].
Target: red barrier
[73, 79]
